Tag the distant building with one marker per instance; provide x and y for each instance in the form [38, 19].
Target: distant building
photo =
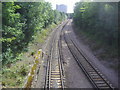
[61, 8]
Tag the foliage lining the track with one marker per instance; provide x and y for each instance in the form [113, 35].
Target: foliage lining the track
[99, 22]
[10, 71]
[21, 22]
[25, 25]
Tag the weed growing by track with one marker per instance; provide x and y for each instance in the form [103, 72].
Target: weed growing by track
[15, 75]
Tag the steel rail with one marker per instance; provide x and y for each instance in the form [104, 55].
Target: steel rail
[94, 75]
[47, 80]
[49, 72]
[61, 57]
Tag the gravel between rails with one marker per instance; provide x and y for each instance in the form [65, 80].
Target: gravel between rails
[109, 73]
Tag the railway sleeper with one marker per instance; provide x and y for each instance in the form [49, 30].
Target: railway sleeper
[52, 74]
[92, 72]
[59, 86]
[101, 85]
[97, 79]
[58, 83]
[99, 82]
[55, 78]
[55, 73]
[95, 76]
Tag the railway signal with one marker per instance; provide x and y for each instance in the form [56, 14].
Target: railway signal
[82, 10]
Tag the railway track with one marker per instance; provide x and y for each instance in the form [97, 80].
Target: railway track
[92, 73]
[54, 72]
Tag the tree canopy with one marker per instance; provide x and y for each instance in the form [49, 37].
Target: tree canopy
[20, 22]
[98, 20]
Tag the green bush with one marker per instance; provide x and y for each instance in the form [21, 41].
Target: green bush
[21, 22]
[99, 21]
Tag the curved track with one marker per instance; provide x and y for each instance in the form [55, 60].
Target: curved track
[92, 73]
[55, 70]
[54, 74]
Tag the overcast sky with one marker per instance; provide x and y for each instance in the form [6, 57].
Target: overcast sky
[69, 3]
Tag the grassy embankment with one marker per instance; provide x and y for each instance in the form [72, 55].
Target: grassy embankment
[16, 74]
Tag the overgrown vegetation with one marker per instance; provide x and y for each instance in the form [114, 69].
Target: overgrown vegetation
[14, 76]
[99, 22]
[21, 68]
[25, 25]
[20, 22]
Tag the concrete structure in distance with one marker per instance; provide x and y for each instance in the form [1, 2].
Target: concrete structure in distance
[61, 8]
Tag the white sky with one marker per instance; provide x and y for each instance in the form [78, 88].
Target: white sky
[69, 3]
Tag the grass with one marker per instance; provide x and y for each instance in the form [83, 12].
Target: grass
[15, 75]
[41, 36]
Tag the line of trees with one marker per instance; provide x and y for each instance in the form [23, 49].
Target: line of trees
[98, 20]
[20, 22]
